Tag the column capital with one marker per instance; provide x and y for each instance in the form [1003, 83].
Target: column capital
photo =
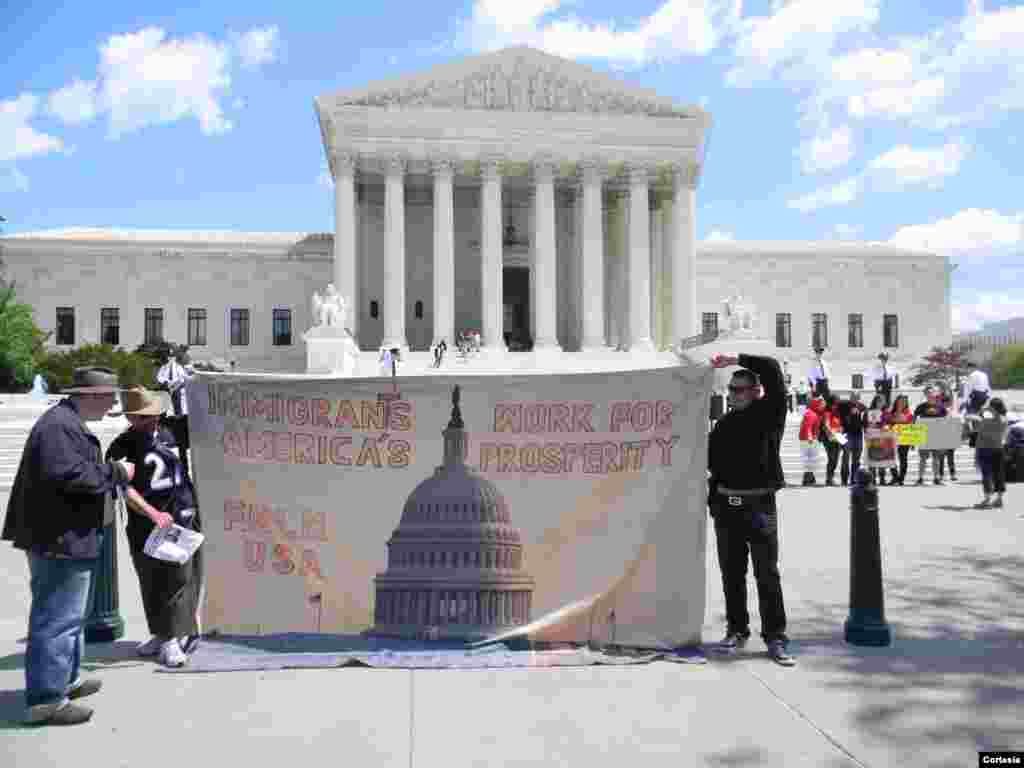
[543, 169]
[638, 173]
[591, 170]
[346, 163]
[490, 167]
[685, 174]
[442, 166]
[394, 165]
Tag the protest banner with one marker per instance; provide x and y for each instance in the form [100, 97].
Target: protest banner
[943, 434]
[573, 503]
[879, 449]
[911, 434]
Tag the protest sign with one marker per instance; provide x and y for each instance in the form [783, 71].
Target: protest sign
[573, 503]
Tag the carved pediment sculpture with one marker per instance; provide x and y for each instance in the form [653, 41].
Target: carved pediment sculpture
[519, 79]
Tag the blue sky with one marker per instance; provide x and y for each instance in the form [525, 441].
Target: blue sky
[884, 120]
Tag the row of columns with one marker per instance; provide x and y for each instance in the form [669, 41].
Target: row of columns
[440, 607]
[502, 558]
[681, 245]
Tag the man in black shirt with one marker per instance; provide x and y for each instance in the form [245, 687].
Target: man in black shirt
[745, 473]
[852, 415]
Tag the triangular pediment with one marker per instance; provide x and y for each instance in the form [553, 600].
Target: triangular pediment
[514, 79]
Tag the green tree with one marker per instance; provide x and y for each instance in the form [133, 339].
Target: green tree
[20, 341]
[942, 365]
[1008, 367]
[133, 369]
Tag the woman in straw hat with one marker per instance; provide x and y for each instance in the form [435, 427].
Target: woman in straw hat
[161, 494]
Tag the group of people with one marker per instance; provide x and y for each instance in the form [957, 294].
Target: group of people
[63, 502]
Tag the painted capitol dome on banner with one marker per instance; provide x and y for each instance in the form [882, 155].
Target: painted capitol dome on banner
[455, 561]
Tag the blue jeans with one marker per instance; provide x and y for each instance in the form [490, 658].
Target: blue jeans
[61, 598]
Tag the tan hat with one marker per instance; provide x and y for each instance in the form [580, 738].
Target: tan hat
[95, 381]
[139, 401]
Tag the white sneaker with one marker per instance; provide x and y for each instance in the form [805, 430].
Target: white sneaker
[171, 654]
[149, 648]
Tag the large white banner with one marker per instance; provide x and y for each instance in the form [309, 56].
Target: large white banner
[574, 504]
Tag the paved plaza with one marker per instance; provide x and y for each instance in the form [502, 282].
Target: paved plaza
[951, 684]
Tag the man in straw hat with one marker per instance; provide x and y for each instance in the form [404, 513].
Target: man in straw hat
[59, 504]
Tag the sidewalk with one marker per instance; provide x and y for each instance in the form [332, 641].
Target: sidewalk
[952, 684]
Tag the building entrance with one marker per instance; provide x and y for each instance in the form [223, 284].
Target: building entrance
[516, 293]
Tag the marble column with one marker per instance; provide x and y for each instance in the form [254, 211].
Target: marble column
[491, 239]
[345, 234]
[544, 253]
[657, 275]
[639, 261]
[683, 249]
[394, 271]
[444, 254]
[592, 262]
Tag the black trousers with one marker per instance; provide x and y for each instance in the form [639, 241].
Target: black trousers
[821, 388]
[902, 451]
[169, 595]
[750, 531]
[851, 451]
[832, 452]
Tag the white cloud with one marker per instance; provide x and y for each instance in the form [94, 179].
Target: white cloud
[258, 46]
[907, 165]
[797, 39]
[719, 236]
[826, 153]
[18, 139]
[971, 234]
[676, 28]
[843, 193]
[986, 308]
[75, 102]
[147, 78]
[904, 100]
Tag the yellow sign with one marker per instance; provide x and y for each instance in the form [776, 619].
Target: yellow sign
[911, 434]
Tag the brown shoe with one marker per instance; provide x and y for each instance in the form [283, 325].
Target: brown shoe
[69, 714]
[88, 687]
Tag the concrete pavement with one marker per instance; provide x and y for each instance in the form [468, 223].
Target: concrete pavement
[952, 684]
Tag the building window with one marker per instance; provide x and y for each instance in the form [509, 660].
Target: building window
[783, 329]
[110, 326]
[282, 327]
[374, 309]
[709, 324]
[65, 325]
[819, 330]
[858, 381]
[855, 324]
[154, 327]
[890, 331]
[418, 310]
[196, 327]
[239, 327]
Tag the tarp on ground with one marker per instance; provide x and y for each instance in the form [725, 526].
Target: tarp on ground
[600, 479]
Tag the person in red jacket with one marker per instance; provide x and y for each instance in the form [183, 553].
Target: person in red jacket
[810, 429]
[830, 436]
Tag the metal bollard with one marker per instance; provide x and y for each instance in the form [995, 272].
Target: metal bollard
[865, 624]
[104, 623]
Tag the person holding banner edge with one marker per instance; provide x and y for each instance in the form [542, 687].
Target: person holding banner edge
[901, 414]
[745, 474]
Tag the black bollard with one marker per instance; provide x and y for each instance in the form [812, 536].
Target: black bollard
[865, 624]
[104, 624]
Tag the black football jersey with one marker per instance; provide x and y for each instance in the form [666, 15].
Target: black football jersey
[159, 478]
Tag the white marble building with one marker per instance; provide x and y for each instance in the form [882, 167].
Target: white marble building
[514, 193]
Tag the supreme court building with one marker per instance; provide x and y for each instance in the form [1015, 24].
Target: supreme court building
[546, 205]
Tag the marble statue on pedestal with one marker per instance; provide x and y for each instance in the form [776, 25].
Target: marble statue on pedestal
[330, 347]
[740, 316]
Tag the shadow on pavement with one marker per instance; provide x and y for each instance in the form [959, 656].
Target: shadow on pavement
[954, 676]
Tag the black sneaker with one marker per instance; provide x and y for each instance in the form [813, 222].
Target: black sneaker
[920, 481]
[777, 652]
[732, 642]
